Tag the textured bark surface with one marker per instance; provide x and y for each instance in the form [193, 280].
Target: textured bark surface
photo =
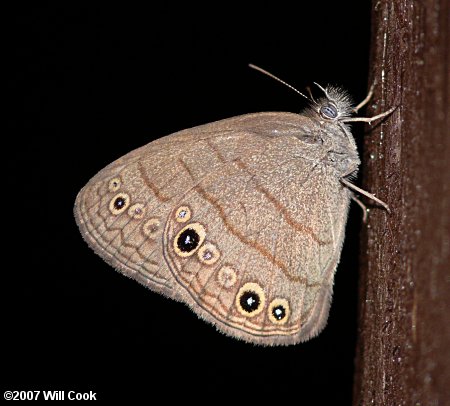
[403, 355]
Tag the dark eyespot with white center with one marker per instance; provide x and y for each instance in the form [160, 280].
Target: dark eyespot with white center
[279, 311]
[114, 184]
[189, 239]
[183, 214]
[329, 111]
[250, 299]
[119, 203]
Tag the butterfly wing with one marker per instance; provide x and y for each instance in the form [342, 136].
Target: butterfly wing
[122, 210]
[240, 219]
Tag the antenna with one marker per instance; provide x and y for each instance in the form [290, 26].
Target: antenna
[279, 80]
[323, 90]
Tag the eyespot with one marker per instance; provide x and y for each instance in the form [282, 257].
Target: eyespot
[227, 276]
[279, 311]
[136, 211]
[114, 184]
[183, 214]
[208, 254]
[151, 226]
[250, 300]
[189, 239]
[329, 111]
[119, 203]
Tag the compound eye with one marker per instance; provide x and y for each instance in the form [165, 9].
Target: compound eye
[329, 111]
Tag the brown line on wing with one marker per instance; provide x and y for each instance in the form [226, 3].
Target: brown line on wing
[288, 218]
[233, 230]
[159, 195]
[216, 151]
[283, 210]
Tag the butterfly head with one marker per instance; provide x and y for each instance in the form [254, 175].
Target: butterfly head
[335, 106]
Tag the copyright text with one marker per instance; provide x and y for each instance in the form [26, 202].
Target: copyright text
[48, 395]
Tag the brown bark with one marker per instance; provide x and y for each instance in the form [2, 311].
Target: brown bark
[403, 355]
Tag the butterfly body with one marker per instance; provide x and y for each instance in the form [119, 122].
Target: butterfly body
[242, 219]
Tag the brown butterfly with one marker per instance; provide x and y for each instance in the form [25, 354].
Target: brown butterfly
[242, 219]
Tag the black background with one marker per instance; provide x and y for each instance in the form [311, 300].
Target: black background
[88, 84]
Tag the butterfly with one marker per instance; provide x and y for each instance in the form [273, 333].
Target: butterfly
[242, 219]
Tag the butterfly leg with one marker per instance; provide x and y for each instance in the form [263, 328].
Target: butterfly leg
[365, 193]
[366, 100]
[364, 208]
[362, 104]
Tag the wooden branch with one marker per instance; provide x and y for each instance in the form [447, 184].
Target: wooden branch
[403, 354]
